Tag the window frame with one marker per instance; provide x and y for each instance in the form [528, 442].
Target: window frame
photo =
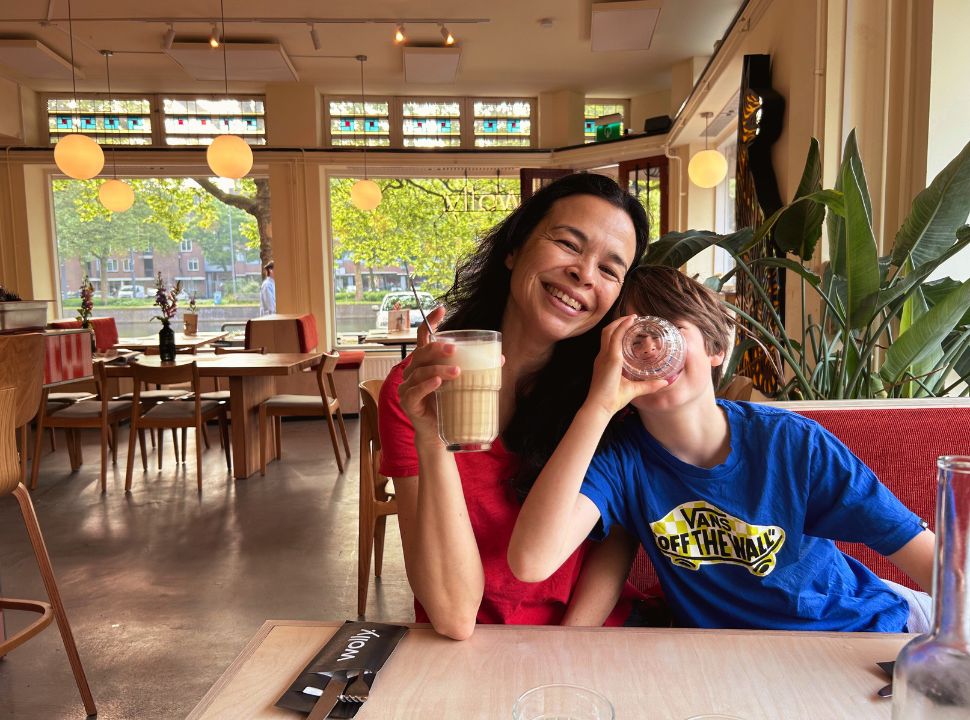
[625, 112]
[111, 266]
[394, 120]
[182, 246]
[191, 262]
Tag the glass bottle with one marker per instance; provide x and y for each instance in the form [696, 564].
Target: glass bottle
[931, 679]
[653, 348]
[166, 342]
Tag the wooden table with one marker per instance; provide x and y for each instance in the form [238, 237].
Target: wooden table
[402, 340]
[654, 673]
[182, 340]
[250, 382]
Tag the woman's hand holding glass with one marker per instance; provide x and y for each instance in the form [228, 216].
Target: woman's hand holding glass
[429, 367]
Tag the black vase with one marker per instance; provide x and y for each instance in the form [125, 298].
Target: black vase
[166, 342]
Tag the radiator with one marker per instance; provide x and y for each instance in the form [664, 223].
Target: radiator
[378, 366]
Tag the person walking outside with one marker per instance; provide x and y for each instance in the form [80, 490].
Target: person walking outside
[267, 292]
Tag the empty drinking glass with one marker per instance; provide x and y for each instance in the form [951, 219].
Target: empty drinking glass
[562, 702]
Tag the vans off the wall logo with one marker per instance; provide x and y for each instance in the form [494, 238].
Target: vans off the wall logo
[697, 533]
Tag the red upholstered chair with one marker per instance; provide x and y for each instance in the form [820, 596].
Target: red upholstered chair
[900, 440]
[105, 330]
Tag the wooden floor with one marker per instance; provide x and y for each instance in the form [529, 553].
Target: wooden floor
[164, 586]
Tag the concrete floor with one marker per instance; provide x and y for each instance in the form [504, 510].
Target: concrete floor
[163, 587]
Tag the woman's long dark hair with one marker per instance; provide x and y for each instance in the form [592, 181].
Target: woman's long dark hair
[547, 400]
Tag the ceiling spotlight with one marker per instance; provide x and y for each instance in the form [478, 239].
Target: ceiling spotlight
[214, 36]
[399, 36]
[446, 35]
[169, 37]
[314, 36]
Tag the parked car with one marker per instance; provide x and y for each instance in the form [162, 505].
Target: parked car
[405, 301]
[129, 291]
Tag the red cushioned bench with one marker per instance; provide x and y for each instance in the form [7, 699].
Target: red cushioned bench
[899, 439]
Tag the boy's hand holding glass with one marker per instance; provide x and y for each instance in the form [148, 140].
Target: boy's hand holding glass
[611, 389]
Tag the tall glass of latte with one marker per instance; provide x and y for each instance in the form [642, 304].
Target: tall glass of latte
[468, 405]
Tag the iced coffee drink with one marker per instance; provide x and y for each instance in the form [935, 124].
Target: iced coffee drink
[468, 405]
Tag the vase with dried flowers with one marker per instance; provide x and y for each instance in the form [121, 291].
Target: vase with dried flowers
[86, 294]
[167, 300]
[191, 318]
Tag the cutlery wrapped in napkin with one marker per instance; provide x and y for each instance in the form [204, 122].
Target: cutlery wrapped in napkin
[358, 648]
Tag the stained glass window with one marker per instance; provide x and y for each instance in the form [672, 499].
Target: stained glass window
[122, 121]
[197, 121]
[599, 109]
[354, 123]
[431, 123]
[503, 123]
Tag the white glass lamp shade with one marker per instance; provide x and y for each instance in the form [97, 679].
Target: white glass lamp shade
[78, 156]
[116, 195]
[707, 168]
[365, 194]
[230, 156]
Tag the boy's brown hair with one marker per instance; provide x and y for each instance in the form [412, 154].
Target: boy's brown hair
[668, 293]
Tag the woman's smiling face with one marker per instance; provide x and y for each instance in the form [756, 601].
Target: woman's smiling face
[570, 270]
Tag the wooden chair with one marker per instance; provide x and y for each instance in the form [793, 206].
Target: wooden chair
[103, 414]
[376, 499]
[326, 405]
[22, 366]
[10, 485]
[174, 414]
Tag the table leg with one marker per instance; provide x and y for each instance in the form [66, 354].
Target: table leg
[404, 351]
[35, 460]
[245, 395]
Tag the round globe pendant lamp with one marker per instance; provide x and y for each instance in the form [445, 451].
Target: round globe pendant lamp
[708, 167]
[114, 194]
[76, 155]
[228, 156]
[364, 194]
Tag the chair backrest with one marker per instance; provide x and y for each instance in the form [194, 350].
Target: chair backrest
[166, 374]
[283, 333]
[105, 330]
[370, 438]
[22, 367]
[325, 368]
[9, 465]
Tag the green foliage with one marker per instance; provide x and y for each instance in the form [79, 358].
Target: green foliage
[884, 330]
[413, 225]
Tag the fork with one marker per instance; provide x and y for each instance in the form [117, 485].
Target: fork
[358, 690]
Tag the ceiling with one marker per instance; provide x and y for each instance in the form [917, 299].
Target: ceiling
[510, 54]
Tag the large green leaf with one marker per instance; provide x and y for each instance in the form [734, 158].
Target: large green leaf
[799, 228]
[835, 222]
[676, 248]
[925, 337]
[861, 258]
[937, 212]
[904, 284]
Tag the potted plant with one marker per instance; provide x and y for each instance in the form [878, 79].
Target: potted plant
[84, 311]
[190, 320]
[167, 300]
[871, 326]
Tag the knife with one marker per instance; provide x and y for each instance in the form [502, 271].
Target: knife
[326, 701]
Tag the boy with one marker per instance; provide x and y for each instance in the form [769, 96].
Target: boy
[736, 504]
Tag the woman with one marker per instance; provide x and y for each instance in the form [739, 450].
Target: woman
[547, 277]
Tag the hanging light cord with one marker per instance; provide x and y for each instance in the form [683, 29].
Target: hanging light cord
[225, 61]
[107, 69]
[363, 108]
[70, 33]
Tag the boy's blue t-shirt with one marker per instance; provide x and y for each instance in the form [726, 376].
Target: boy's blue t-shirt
[749, 543]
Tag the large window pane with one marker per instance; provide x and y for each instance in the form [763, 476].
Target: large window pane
[432, 124]
[355, 123]
[427, 223]
[176, 227]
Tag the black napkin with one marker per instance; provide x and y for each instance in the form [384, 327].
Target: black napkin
[363, 646]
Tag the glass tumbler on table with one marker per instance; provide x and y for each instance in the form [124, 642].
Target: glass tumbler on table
[468, 405]
[562, 702]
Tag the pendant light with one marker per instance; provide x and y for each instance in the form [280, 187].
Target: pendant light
[364, 194]
[77, 156]
[229, 156]
[114, 194]
[708, 167]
